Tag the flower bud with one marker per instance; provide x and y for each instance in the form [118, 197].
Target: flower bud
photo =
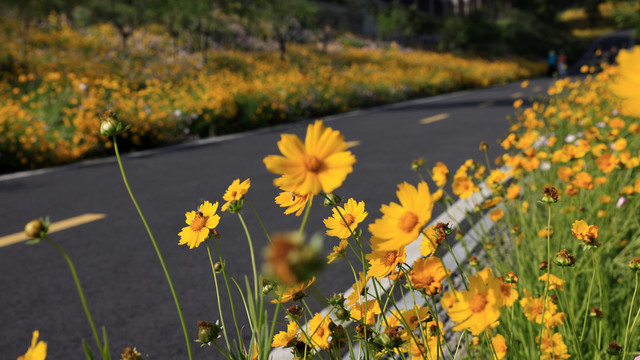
[634, 264]
[563, 258]
[614, 349]
[337, 300]
[218, 267]
[595, 312]
[483, 146]
[207, 332]
[516, 229]
[110, 125]
[489, 245]
[36, 229]
[417, 164]
[332, 200]
[550, 194]
[473, 261]
[294, 312]
[342, 314]
[131, 354]
[511, 278]
[543, 265]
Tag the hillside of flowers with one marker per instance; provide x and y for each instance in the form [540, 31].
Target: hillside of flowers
[55, 79]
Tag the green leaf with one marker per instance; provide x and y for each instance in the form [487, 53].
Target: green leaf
[87, 350]
[105, 351]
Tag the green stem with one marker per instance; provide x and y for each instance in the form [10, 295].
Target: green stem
[259, 220]
[215, 280]
[80, 292]
[306, 215]
[626, 333]
[155, 245]
[253, 258]
[226, 283]
[586, 314]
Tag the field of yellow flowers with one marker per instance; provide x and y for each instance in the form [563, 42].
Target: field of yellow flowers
[555, 276]
[55, 79]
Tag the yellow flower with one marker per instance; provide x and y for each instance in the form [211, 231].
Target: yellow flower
[627, 82]
[427, 274]
[525, 206]
[353, 213]
[235, 192]
[383, 262]
[283, 338]
[587, 233]
[552, 346]
[321, 163]
[318, 331]
[437, 195]
[524, 84]
[367, 311]
[338, 251]
[544, 232]
[295, 292]
[200, 223]
[410, 318]
[496, 214]
[463, 186]
[37, 350]
[517, 103]
[605, 199]
[478, 308]
[500, 346]
[532, 308]
[554, 281]
[401, 223]
[294, 203]
[513, 191]
[439, 174]
[432, 237]
[359, 288]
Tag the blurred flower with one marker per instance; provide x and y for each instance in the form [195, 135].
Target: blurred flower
[478, 308]
[37, 350]
[440, 174]
[552, 346]
[627, 82]
[321, 163]
[499, 346]
[200, 223]
[291, 260]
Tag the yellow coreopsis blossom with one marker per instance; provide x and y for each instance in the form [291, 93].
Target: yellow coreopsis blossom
[627, 83]
[37, 350]
[338, 251]
[296, 292]
[427, 274]
[533, 306]
[365, 312]
[410, 318]
[496, 214]
[283, 338]
[318, 331]
[587, 233]
[499, 346]
[383, 262]
[352, 215]
[200, 223]
[235, 192]
[554, 281]
[401, 223]
[440, 174]
[294, 203]
[463, 186]
[478, 308]
[552, 346]
[321, 163]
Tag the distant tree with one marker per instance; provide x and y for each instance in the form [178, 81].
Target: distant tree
[125, 15]
[592, 8]
[279, 19]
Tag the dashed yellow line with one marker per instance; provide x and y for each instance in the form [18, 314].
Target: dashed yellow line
[516, 95]
[486, 104]
[352, 143]
[434, 118]
[56, 226]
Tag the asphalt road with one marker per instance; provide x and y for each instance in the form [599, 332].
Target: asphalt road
[125, 287]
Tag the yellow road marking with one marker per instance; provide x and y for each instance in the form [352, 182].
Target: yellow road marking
[56, 226]
[518, 94]
[352, 143]
[537, 88]
[486, 104]
[434, 118]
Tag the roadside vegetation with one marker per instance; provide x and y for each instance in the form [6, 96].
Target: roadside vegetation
[552, 265]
